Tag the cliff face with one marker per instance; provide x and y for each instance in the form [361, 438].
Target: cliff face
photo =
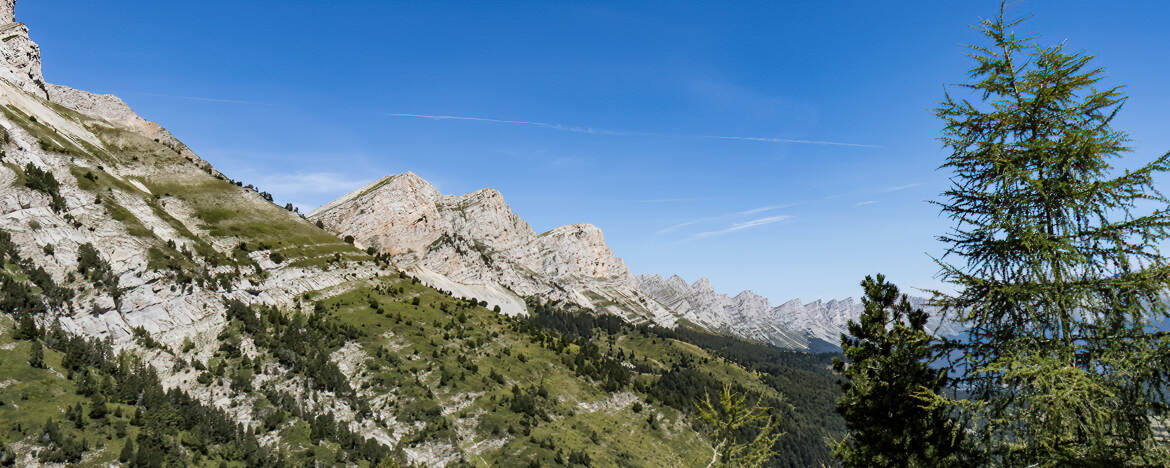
[475, 245]
[134, 192]
[22, 56]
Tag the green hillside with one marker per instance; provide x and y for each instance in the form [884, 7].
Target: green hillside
[298, 349]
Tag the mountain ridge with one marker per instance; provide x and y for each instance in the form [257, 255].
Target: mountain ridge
[475, 243]
[157, 311]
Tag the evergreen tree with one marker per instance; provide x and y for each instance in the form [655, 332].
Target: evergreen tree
[729, 418]
[97, 406]
[887, 372]
[36, 355]
[26, 328]
[1059, 277]
[127, 453]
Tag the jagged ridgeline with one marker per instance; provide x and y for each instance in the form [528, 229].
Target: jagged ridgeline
[156, 312]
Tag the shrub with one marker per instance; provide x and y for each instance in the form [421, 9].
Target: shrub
[43, 181]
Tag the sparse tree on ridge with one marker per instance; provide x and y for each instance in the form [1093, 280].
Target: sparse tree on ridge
[1057, 275]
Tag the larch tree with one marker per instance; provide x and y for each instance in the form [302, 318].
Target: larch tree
[744, 434]
[1055, 262]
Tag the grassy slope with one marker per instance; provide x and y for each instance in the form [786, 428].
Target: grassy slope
[418, 344]
[620, 434]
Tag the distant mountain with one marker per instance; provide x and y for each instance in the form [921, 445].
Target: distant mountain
[816, 325]
[746, 315]
[475, 246]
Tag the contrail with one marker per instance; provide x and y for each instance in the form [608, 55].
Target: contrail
[599, 131]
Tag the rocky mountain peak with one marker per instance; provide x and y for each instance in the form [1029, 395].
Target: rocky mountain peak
[475, 245]
[7, 12]
[21, 64]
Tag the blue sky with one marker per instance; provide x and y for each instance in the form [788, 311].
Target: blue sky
[783, 147]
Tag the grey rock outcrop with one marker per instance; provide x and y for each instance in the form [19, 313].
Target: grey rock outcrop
[7, 11]
[22, 56]
[474, 245]
[114, 110]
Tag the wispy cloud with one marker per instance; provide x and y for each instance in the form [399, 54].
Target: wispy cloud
[601, 131]
[722, 217]
[674, 200]
[900, 188]
[866, 203]
[207, 99]
[786, 140]
[744, 225]
[764, 209]
[675, 227]
[550, 126]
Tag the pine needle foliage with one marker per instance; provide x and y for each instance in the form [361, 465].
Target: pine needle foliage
[729, 418]
[1059, 275]
[887, 372]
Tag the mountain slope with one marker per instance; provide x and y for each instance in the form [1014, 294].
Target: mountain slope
[155, 310]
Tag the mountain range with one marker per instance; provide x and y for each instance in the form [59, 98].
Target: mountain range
[156, 312]
[475, 245]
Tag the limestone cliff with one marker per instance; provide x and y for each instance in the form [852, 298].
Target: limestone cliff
[475, 245]
[120, 178]
[22, 56]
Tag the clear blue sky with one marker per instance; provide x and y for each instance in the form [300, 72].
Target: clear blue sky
[606, 114]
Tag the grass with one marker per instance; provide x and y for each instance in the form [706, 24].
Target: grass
[30, 396]
[226, 210]
[423, 349]
[624, 437]
[48, 138]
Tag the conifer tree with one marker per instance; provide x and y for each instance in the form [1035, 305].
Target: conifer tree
[36, 355]
[730, 417]
[127, 453]
[26, 328]
[1058, 274]
[887, 372]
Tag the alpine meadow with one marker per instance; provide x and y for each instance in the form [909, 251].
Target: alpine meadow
[1003, 302]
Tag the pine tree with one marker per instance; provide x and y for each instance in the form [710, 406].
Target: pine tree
[890, 424]
[26, 328]
[97, 406]
[1059, 277]
[36, 355]
[127, 453]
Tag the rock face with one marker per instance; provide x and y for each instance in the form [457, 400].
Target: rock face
[475, 245]
[67, 132]
[7, 11]
[793, 324]
[113, 110]
[22, 56]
